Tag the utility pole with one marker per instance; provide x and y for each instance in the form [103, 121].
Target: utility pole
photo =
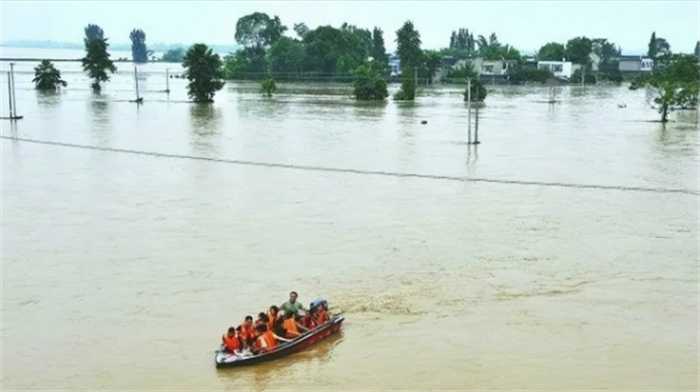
[136, 83]
[11, 98]
[476, 127]
[469, 111]
[167, 81]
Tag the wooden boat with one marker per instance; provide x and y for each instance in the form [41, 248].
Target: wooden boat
[226, 359]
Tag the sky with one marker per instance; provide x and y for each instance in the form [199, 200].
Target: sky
[527, 25]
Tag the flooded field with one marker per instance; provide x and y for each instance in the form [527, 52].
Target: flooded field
[560, 254]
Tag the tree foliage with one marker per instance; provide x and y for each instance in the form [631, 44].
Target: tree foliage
[246, 63]
[286, 56]
[519, 74]
[301, 29]
[96, 61]
[258, 30]
[658, 47]
[478, 91]
[203, 70]
[605, 50]
[430, 64]
[139, 52]
[174, 55]
[47, 77]
[578, 50]
[676, 81]
[463, 40]
[551, 51]
[492, 49]
[268, 87]
[409, 51]
[369, 84]
[379, 50]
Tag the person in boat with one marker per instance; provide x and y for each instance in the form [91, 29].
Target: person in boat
[292, 328]
[293, 305]
[230, 340]
[272, 315]
[262, 319]
[266, 340]
[320, 315]
[247, 334]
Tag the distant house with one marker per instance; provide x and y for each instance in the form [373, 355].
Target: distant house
[560, 69]
[394, 65]
[635, 64]
[491, 67]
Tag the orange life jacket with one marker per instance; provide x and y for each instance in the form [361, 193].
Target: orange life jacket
[290, 326]
[231, 343]
[267, 341]
[271, 321]
[321, 317]
[247, 332]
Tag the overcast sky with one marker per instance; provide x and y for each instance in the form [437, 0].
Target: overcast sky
[525, 24]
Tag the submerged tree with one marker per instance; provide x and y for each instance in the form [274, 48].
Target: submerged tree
[676, 81]
[96, 61]
[478, 91]
[46, 77]
[578, 50]
[203, 70]
[139, 53]
[369, 85]
[409, 51]
[268, 86]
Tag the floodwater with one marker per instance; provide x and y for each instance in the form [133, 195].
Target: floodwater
[572, 266]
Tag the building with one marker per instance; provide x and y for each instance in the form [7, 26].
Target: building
[560, 69]
[635, 64]
[394, 65]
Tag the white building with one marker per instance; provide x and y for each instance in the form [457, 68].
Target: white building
[394, 65]
[560, 69]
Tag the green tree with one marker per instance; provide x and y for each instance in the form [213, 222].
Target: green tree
[604, 49]
[174, 55]
[139, 52]
[676, 82]
[286, 56]
[588, 77]
[329, 50]
[203, 70]
[478, 91]
[658, 47]
[369, 85]
[431, 63]
[552, 51]
[461, 74]
[301, 29]
[410, 54]
[268, 87]
[379, 50]
[492, 49]
[578, 50]
[246, 63]
[518, 74]
[46, 77]
[96, 61]
[258, 30]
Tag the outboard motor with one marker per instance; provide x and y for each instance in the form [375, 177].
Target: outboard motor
[318, 302]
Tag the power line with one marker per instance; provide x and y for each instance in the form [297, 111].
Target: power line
[359, 171]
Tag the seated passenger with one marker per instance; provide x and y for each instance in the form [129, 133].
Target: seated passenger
[266, 340]
[321, 315]
[291, 326]
[262, 319]
[272, 315]
[230, 341]
[247, 334]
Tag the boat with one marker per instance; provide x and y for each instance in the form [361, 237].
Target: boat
[226, 359]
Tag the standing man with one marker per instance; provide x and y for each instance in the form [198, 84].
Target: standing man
[292, 306]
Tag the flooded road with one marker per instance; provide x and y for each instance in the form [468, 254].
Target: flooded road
[121, 269]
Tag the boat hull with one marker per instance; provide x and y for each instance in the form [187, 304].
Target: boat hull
[225, 360]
